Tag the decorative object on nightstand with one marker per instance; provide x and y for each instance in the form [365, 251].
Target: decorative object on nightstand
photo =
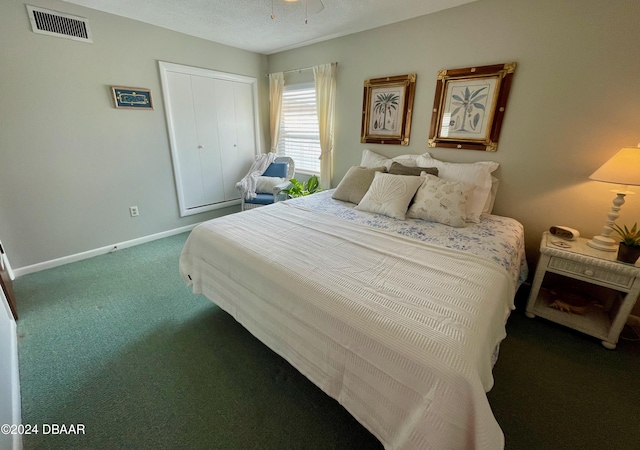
[604, 317]
[629, 249]
[563, 232]
[571, 301]
[623, 169]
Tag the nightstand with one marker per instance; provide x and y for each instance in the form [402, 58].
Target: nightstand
[578, 261]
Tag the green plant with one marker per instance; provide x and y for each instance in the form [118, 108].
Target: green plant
[630, 237]
[297, 189]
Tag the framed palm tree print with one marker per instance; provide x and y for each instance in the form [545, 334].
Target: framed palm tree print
[469, 107]
[386, 109]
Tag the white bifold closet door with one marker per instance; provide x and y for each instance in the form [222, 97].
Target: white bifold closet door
[212, 126]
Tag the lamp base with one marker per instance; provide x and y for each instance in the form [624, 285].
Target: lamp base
[603, 243]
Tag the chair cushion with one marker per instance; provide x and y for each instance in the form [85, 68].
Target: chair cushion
[261, 199]
[276, 169]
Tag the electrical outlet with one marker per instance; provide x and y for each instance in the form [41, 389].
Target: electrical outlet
[133, 210]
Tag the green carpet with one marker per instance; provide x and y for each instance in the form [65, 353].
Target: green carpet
[119, 344]
[559, 389]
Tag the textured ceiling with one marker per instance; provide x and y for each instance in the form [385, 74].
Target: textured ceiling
[247, 24]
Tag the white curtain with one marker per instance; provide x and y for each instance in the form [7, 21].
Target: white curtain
[325, 78]
[276, 86]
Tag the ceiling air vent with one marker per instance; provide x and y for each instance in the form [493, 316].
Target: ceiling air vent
[58, 24]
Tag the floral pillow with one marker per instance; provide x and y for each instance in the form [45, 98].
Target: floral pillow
[441, 201]
[477, 174]
[390, 195]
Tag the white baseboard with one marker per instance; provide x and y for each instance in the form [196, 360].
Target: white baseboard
[99, 251]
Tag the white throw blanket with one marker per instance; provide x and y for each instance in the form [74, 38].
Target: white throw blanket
[248, 183]
[398, 331]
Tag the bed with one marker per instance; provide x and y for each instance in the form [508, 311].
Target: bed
[398, 320]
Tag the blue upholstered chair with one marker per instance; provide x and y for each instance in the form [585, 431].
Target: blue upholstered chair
[282, 167]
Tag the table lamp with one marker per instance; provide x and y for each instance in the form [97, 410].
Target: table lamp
[623, 169]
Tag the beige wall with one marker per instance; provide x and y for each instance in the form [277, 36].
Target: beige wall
[70, 163]
[573, 102]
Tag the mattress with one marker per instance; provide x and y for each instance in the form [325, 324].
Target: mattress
[396, 320]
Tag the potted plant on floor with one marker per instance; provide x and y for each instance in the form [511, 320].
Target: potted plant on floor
[629, 249]
[297, 189]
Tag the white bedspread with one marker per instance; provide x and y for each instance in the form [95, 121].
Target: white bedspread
[399, 331]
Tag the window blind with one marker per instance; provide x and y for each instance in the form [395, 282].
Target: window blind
[299, 135]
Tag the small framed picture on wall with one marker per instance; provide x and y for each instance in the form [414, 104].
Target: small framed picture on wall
[132, 98]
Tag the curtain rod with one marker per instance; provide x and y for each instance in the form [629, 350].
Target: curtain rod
[300, 69]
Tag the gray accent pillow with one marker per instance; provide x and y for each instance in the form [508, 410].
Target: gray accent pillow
[400, 169]
[356, 183]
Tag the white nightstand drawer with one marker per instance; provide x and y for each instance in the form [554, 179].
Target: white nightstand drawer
[594, 273]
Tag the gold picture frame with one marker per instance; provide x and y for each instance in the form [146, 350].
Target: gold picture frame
[386, 109]
[469, 107]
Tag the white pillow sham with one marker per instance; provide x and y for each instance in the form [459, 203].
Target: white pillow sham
[491, 199]
[477, 174]
[372, 159]
[265, 185]
[441, 201]
[390, 195]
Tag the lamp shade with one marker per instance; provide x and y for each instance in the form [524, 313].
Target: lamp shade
[623, 168]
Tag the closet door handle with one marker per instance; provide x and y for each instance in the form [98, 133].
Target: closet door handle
[200, 146]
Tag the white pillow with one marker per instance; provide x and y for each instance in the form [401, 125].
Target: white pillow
[491, 199]
[477, 174]
[390, 195]
[372, 159]
[441, 201]
[265, 185]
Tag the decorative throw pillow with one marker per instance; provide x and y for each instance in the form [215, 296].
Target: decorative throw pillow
[356, 183]
[441, 201]
[477, 174]
[265, 185]
[390, 195]
[400, 169]
[373, 159]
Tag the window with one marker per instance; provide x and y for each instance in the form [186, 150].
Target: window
[299, 135]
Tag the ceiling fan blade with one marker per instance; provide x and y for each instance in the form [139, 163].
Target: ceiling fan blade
[315, 6]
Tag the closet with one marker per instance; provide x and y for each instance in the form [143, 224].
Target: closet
[212, 122]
